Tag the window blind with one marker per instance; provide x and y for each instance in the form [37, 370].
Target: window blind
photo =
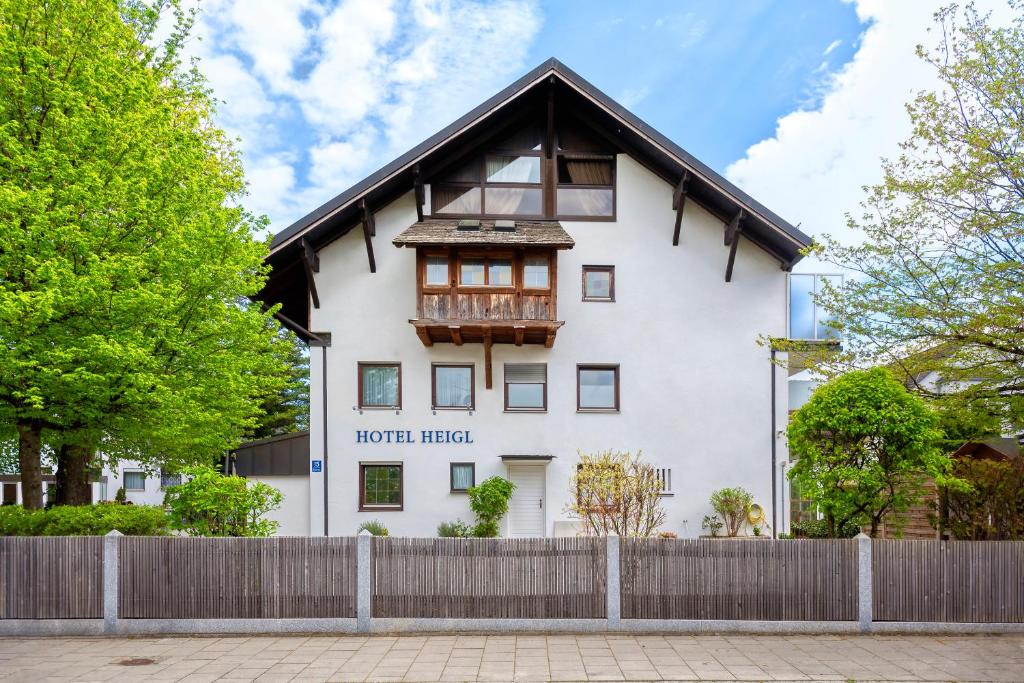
[526, 373]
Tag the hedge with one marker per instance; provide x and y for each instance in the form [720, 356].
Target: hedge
[84, 520]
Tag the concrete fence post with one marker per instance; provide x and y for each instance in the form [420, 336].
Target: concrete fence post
[613, 583]
[864, 589]
[363, 559]
[111, 550]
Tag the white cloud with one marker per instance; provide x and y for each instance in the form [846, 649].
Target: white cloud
[831, 46]
[812, 169]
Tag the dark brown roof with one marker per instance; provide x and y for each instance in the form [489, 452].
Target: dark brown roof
[525, 234]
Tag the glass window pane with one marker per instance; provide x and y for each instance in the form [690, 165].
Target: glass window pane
[535, 272]
[380, 385]
[584, 172]
[472, 272]
[823, 330]
[525, 395]
[513, 169]
[169, 479]
[597, 284]
[462, 476]
[499, 273]
[134, 481]
[467, 173]
[513, 201]
[597, 388]
[457, 200]
[437, 271]
[453, 387]
[575, 201]
[801, 307]
[382, 485]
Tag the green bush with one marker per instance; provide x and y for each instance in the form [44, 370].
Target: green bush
[375, 527]
[456, 529]
[489, 502]
[818, 528]
[732, 504]
[209, 503]
[84, 520]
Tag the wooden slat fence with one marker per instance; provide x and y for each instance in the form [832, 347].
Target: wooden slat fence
[951, 581]
[57, 577]
[528, 578]
[785, 580]
[236, 578]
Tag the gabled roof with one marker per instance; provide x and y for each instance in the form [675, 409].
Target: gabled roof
[664, 157]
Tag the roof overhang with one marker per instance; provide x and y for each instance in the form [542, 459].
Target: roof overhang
[485, 233]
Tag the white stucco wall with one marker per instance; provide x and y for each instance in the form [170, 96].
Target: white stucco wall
[293, 515]
[695, 386]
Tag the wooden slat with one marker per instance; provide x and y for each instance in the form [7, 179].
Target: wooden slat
[58, 577]
[787, 580]
[518, 578]
[237, 578]
[948, 581]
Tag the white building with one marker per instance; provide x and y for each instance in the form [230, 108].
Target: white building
[546, 275]
[141, 487]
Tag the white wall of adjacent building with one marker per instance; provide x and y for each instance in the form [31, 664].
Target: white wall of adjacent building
[694, 382]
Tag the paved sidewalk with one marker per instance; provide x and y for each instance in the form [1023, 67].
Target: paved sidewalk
[515, 658]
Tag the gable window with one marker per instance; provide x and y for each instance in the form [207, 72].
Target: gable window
[536, 271]
[599, 283]
[380, 486]
[380, 385]
[452, 386]
[526, 387]
[463, 476]
[597, 388]
[485, 271]
[586, 185]
[134, 481]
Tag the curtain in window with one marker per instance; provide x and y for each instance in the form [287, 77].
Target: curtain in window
[462, 477]
[513, 201]
[588, 171]
[380, 385]
[453, 387]
[135, 481]
[453, 199]
[513, 169]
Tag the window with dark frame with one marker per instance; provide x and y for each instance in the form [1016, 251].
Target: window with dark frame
[380, 385]
[134, 481]
[453, 386]
[526, 387]
[462, 476]
[380, 486]
[489, 270]
[599, 283]
[597, 388]
[435, 272]
[10, 493]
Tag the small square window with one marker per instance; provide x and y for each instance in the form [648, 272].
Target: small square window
[380, 486]
[499, 273]
[134, 481]
[599, 283]
[380, 385]
[453, 386]
[472, 273]
[597, 387]
[463, 476]
[535, 272]
[436, 272]
[526, 387]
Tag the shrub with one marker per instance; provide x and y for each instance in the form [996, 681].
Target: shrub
[667, 534]
[375, 527]
[616, 493]
[213, 504]
[84, 520]
[712, 523]
[456, 529]
[732, 504]
[489, 502]
[818, 528]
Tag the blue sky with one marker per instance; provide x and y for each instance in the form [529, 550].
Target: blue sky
[793, 100]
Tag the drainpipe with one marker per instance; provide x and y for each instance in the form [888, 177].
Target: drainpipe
[323, 340]
[775, 474]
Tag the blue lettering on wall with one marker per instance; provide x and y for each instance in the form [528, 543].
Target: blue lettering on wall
[431, 436]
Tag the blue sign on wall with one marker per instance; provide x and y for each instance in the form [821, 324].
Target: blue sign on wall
[317, 466]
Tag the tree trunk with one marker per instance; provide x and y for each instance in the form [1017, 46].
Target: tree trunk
[30, 443]
[73, 487]
[875, 521]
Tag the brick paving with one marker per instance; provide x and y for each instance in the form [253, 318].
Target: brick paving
[516, 658]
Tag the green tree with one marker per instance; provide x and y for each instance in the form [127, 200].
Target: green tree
[287, 409]
[732, 505]
[939, 282]
[126, 258]
[489, 502]
[864, 447]
[209, 503]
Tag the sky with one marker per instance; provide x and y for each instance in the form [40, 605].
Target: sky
[794, 101]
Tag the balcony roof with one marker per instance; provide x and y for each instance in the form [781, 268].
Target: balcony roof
[448, 233]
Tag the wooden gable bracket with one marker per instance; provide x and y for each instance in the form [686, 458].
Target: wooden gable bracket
[418, 192]
[311, 263]
[678, 201]
[456, 333]
[487, 358]
[549, 137]
[732, 240]
[369, 230]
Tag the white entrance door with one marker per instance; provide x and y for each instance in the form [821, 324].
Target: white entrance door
[526, 509]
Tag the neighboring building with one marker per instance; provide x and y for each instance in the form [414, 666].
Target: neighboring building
[547, 274]
[141, 487]
[282, 462]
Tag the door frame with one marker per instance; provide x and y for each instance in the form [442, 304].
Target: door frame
[542, 465]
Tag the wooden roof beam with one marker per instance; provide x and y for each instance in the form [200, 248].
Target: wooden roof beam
[369, 230]
[732, 240]
[487, 358]
[456, 333]
[418, 192]
[549, 137]
[311, 264]
[678, 202]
